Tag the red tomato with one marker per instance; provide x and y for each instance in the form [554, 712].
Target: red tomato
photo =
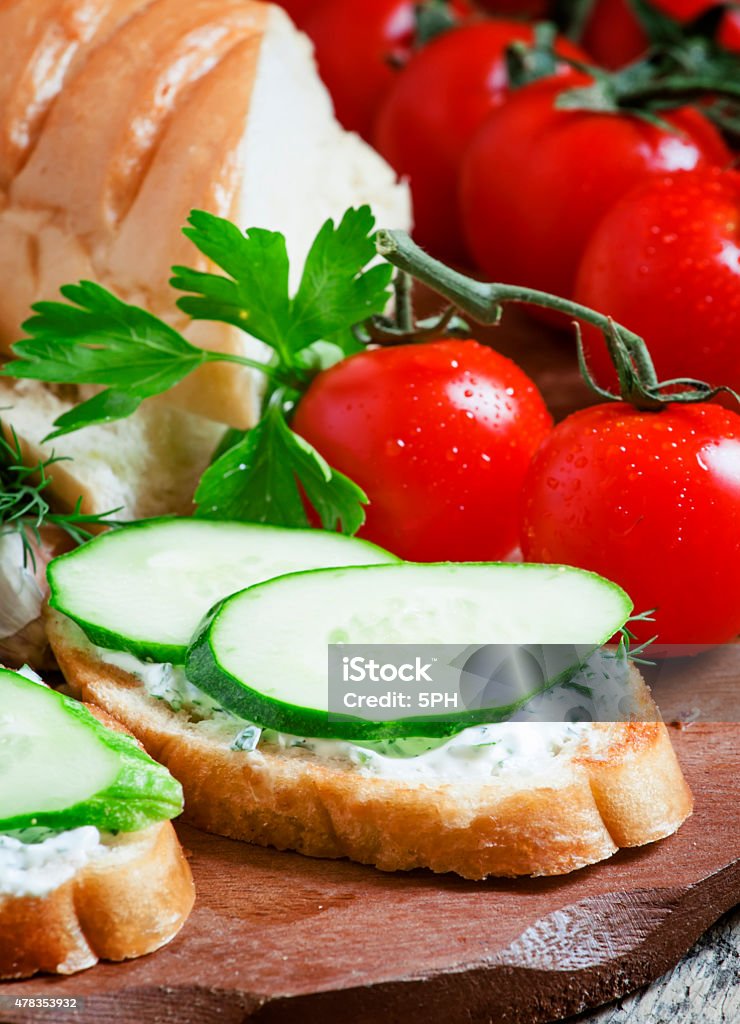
[651, 501]
[729, 30]
[439, 436]
[299, 10]
[676, 281]
[433, 110]
[684, 10]
[356, 43]
[613, 35]
[536, 180]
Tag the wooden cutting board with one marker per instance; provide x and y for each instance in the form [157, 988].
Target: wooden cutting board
[276, 937]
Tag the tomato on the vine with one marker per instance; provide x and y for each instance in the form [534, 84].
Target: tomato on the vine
[612, 35]
[650, 500]
[729, 30]
[357, 44]
[537, 180]
[433, 110]
[439, 436]
[676, 281]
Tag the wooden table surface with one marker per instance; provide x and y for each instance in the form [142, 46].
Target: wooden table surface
[277, 937]
[704, 988]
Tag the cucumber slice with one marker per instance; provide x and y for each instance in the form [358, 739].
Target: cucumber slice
[61, 768]
[262, 653]
[146, 587]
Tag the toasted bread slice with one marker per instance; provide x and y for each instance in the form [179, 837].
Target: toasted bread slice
[130, 899]
[620, 786]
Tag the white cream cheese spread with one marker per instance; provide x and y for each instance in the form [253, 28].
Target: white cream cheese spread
[34, 862]
[524, 744]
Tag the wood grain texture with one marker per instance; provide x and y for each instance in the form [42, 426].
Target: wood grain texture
[703, 987]
[278, 937]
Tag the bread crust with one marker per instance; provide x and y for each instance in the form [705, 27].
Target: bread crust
[129, 901]
[630, 793]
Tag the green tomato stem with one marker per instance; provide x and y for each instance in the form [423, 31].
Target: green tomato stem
[481, 300]
[402, 286]
[638, 381]
[682, 89]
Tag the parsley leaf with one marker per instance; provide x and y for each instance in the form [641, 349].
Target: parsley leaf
[104, 407]
[254, 297]
[336, 291]
[267, 474]
[260, 480]
[95, 338]
[333, 296]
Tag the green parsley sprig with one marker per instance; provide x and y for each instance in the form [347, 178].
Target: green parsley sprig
[263, 474]
[23, 506]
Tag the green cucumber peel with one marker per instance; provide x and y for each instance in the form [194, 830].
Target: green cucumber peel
[93, 776]
[241, 669]
[235, 696]
[144, 588]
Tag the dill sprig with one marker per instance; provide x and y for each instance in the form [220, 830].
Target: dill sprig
[627, 649]
[23, 505]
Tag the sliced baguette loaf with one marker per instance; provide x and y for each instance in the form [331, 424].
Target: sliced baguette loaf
[118, 118]
[624, 788]
[130, 900]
